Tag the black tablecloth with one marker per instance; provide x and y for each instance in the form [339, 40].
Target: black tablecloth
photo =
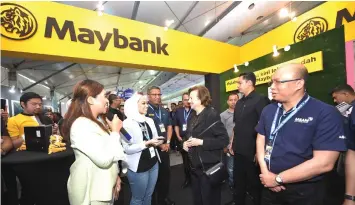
[44, 175]
[21, 157]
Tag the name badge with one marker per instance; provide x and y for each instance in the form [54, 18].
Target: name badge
[151, 115]
[162, 127]
[184, 127]
[152, 152]
[268, 151]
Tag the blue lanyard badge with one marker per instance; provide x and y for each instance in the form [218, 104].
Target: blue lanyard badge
[274, 129]
[186, 115]
[156, 114]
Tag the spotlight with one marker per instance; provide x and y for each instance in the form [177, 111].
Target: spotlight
[236, 68]
[283, 12]
[246, 63]
[287, 48]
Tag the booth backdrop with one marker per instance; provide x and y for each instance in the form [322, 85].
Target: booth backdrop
[331, 43]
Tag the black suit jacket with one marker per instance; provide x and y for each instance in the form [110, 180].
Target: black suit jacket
[214, 140]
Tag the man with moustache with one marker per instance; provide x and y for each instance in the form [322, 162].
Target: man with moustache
[181, 118]
[163, 123]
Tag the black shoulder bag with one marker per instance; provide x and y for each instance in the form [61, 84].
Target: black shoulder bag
[218, 173]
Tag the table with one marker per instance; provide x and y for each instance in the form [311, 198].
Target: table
[44, 175]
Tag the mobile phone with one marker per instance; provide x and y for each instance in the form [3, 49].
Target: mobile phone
[3, 104]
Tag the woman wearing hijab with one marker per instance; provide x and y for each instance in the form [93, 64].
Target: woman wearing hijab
[205, 146]
[142, 156]
[93, 176]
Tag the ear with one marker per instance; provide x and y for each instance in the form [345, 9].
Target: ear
[22, 104]
[90, 100]
[300, 84]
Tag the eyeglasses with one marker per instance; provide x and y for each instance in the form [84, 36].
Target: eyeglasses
[279, 82]
[156, 95]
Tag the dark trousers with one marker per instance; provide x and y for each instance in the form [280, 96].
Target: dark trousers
[9, 186]
[162, 187]
[187, 167]
[202, 191]
[246, 180]
[296, 194]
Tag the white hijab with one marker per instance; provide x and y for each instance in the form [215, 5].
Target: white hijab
[131, 108]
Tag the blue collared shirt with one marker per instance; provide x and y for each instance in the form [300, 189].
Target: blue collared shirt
[179, 119]
[349, 127]
[316, 126]
[164, 118]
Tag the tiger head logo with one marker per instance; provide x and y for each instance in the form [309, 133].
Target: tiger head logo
[17, 23]
[310, 28]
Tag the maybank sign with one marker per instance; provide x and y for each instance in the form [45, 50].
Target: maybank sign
[59, 32]
[313, 63]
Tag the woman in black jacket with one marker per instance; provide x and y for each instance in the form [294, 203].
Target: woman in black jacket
[209, 146]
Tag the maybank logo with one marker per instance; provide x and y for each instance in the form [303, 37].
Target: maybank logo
[304, 120]
[17, 23]
[310, 28]
[89, 36]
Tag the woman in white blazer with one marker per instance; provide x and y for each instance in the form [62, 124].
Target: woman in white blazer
[142, 156]
[93, 176]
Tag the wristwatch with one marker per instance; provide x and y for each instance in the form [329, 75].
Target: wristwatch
[168, 142]
[349, 197]
[279, 180]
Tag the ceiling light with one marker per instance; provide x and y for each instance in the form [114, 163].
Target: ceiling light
[294, 19]
[276, 54]
[71, 76]
[12, 89]
[246, 63]
[99, 13]
[100, 7]
[287, 48]
[292, 14]
[152, 72]
[44, 86]
[46, 82]
[165, 28]
[140, 82]
[274, 48]
[236, 68]
[44, 98]
[29, 79]
[169, 22]
[283, 12]
[207, 22]
[251, 6]
[21, 91]
[141, 86]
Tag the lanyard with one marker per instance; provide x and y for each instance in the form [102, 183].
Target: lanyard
[295, 110]
[186, 115]
[156, 114]
[144, 130]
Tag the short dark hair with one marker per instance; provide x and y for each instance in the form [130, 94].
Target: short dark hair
[28, 96]
[173, 104]
[185, 94]
[203, 94]
[153, 88]
[233, 93]
[249, 76]
[111, 98]
[342, 88]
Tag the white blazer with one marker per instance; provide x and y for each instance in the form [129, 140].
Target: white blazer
[94, 172]
[136, 145]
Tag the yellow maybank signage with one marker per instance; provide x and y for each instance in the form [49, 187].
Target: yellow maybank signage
[313, 63]
[325, 17]
[59, 32]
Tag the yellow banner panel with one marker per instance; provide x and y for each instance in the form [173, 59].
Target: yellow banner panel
[54, 31]
[313, 63]
[325, 17]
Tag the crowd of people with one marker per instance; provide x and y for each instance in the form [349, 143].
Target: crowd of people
[274, 152]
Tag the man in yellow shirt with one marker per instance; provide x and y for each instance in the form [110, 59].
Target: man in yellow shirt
[32, 106]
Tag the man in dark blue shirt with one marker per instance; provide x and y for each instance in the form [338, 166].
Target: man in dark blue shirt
[299, 140]
[181, 117]
[345, 94]
[163, 123]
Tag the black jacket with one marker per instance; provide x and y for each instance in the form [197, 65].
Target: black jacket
[246, 116]
[214, 140]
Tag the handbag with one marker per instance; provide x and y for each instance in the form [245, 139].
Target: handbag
[218, 173]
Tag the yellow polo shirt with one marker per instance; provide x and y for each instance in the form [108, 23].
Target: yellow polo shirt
[16, 124]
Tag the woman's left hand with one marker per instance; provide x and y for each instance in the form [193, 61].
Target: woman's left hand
[117, 188]
[194, 142]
